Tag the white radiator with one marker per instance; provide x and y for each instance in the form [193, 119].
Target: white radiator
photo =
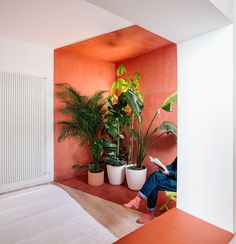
[22, 127]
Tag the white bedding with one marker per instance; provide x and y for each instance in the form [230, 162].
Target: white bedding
[47, 214]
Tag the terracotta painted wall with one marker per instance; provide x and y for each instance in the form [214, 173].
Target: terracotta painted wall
[158, 70]
[87, 75]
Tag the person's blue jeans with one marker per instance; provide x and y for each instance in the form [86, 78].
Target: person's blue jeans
[155, 182]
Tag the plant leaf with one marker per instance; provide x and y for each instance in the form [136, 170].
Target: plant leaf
[134, 133]
[167, 105]
[135, 104]
[121, 70]
[137, 75]
[169, 127]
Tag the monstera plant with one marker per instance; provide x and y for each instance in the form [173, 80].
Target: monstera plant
[144, 140]
[85, 122]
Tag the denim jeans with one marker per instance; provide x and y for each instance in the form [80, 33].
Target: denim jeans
[155, 182]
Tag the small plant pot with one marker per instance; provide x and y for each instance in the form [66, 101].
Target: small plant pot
[135, 177]
[116, 174]
[96, 179]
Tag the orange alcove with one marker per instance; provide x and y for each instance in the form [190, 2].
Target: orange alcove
[90, 65]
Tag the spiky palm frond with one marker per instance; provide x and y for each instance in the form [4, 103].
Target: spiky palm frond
[86, 113]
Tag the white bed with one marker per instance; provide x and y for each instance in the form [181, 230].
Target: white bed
[47, 214]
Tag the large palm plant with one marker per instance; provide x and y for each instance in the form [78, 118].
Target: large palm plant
[85, 122]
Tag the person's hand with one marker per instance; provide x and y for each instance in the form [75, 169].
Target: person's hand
[166, 172]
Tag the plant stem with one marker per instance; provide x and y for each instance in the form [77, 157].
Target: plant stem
[118, 140]
[131, 142]
[149, 127]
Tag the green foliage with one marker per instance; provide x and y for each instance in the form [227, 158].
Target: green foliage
[167, 105]
[125, 83]
[146, 140]
[85, 121]
[134, 103]
[169, 127]
[119, 117]
[115, 121]
[121, 70]
[111, 157]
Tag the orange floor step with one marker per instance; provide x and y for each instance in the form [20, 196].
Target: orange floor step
[177, 227]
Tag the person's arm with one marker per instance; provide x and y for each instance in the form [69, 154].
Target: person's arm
[172, 170]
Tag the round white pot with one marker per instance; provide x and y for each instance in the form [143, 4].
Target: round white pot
[135, 178]
[116, 174]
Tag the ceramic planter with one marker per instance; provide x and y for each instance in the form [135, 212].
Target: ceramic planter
[116, 174]
[135, 178]
[96, 179]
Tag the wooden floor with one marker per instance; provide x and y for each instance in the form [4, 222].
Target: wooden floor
[118, 219]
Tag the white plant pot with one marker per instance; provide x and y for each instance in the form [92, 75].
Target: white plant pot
[135, 178]
[116, 174]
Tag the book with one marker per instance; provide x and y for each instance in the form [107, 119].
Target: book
[158, 163]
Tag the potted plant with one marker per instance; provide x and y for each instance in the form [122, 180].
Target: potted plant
[120, 86]
[136, 173]
[85, 123]
[117, 120]
[115, 155]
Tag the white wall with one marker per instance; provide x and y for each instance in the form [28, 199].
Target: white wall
[21, 57]
[234, 111]
[205, 139]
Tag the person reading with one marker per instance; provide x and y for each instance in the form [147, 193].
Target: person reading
[163, 180]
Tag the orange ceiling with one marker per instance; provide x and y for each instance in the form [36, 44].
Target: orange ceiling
[119, 45]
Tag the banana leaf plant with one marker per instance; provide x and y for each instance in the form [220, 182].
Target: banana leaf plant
[145, 140]
[85, 121]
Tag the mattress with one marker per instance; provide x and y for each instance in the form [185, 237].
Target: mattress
[47, 214]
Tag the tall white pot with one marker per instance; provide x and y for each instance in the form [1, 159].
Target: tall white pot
[116, 174]
[135, 178]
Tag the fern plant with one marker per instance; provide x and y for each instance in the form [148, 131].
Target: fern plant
[85, 121]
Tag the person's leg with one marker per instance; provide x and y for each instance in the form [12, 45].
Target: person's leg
[152, 199]
[151, 183]
[151, 203]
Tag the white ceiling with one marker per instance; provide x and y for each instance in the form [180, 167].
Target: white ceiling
[55, 23]
[175, 20]
[225, 6]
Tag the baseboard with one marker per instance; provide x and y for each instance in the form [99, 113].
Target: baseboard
[26, 183]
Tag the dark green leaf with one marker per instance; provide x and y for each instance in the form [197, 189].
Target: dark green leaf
[134, 134]
[167, 105]
[137, 75]
[135, 104]
[169, 127]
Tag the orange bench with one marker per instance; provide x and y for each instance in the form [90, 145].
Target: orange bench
[177, 227]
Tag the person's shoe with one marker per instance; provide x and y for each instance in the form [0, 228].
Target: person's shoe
[134, 203]
[148, 216]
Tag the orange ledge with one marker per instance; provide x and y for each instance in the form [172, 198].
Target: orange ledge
[175, 227]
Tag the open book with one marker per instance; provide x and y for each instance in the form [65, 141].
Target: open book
[158, 163]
